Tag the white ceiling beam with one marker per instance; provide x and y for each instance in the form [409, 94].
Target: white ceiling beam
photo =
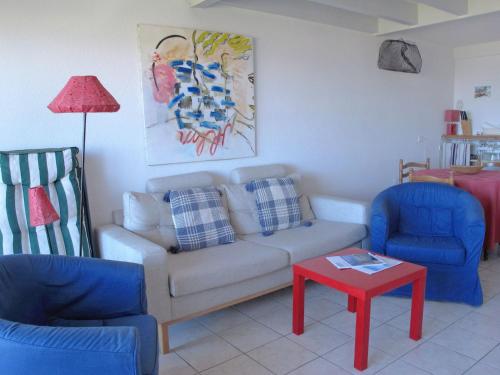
[458, 7]
[394, 10]
[202, 3]
[310, 11]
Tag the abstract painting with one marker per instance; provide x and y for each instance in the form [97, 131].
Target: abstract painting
[482, 91]
[198, 91]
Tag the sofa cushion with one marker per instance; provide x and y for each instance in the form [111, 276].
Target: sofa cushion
[148, 216]
[243, 209]
[426, 249]
[307, 242]
[179, 182]
[200, 218]
[277, 203]
[195, 271]
[246, 174]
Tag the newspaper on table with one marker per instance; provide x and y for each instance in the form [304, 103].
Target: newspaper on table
[368, 263]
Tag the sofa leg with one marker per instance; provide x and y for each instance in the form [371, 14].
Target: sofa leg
[165, 346]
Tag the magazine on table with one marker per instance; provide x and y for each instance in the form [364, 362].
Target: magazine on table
[368, 263]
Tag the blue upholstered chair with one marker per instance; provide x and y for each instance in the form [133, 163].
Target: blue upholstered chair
[67, 315]
[435, 225]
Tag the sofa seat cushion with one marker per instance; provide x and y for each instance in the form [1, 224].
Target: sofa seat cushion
[196, 271]
[307, 242]
[426, 249]
[146, 326]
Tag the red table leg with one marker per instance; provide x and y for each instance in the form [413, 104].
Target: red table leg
[351, 303]
[417, 308]
[362, 333]
[298, 304]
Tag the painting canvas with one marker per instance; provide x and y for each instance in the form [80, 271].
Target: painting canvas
[198, 91]
[482, 91]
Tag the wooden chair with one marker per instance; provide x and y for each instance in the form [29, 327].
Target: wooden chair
[425, 178]
[404, 169]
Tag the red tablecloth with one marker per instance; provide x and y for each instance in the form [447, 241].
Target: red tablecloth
[485, 186]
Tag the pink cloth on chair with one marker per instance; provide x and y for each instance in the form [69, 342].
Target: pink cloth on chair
[485, 186]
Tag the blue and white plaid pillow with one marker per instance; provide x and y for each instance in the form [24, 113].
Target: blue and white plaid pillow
[277, 203]
[200, 219]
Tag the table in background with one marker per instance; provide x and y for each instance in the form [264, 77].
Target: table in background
[360, 288]
[485, 186]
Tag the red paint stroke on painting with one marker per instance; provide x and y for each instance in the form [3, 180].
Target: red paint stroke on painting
[216, 138]
[165, 79]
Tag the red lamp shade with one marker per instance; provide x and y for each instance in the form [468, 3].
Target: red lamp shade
[41, 210]
[451, 115]
[84, 94]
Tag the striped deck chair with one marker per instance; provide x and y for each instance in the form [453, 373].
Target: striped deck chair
[57, 170]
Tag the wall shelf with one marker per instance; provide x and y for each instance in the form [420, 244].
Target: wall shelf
[469, 149]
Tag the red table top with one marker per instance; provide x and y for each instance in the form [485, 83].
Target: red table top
[485, 186]
[355, 282]
[463, 178]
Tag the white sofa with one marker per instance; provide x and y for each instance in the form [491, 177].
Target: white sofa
[188, 284]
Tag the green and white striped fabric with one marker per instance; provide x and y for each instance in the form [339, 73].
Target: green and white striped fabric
[56, 170]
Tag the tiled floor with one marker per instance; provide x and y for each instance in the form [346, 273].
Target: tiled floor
[254, 338]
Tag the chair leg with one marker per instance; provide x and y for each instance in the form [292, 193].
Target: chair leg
[165, 345]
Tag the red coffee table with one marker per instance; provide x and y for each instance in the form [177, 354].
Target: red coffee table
[360, 288]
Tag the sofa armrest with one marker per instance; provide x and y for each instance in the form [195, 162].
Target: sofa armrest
[329, 207]
[117, 243]
[29, 349]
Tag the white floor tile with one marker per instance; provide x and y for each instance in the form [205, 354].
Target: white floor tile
[223, 319]
[320, 308]
[392, 340]
[400, 367]
[344, 357]
[282, 356]
[280, 320]
[482, 369]
[493, 358]
[446, 311]
[241, 365]
[345, 322]
[207, 352]
[438, 360]
[249, 335]
[320, 338]
[319, 367]
[172, 364]
[430, 326]
[481, 324]
[383, 310]
[259, 306]
[464, 341]
[185, 332]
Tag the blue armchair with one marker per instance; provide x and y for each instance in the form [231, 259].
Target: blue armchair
[435, 225]
[67, 315]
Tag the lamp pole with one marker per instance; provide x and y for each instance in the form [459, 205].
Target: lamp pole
[82, 181]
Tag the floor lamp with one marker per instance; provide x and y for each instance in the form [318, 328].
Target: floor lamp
[83, 94]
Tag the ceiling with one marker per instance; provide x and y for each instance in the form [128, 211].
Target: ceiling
[451, 22]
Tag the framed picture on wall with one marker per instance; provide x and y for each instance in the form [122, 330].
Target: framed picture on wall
[198, 94]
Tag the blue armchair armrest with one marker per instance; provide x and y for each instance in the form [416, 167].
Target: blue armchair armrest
[383, 222]
[69, 288]
[470, 226]
[28, 349]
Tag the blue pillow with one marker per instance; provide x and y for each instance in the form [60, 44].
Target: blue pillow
[200, 219]
[277, 203]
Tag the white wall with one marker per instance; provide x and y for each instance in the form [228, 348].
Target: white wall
[478, 65]
[340, 121]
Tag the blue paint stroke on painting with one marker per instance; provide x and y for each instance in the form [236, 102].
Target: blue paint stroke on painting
[209, 125]
[175, 100]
